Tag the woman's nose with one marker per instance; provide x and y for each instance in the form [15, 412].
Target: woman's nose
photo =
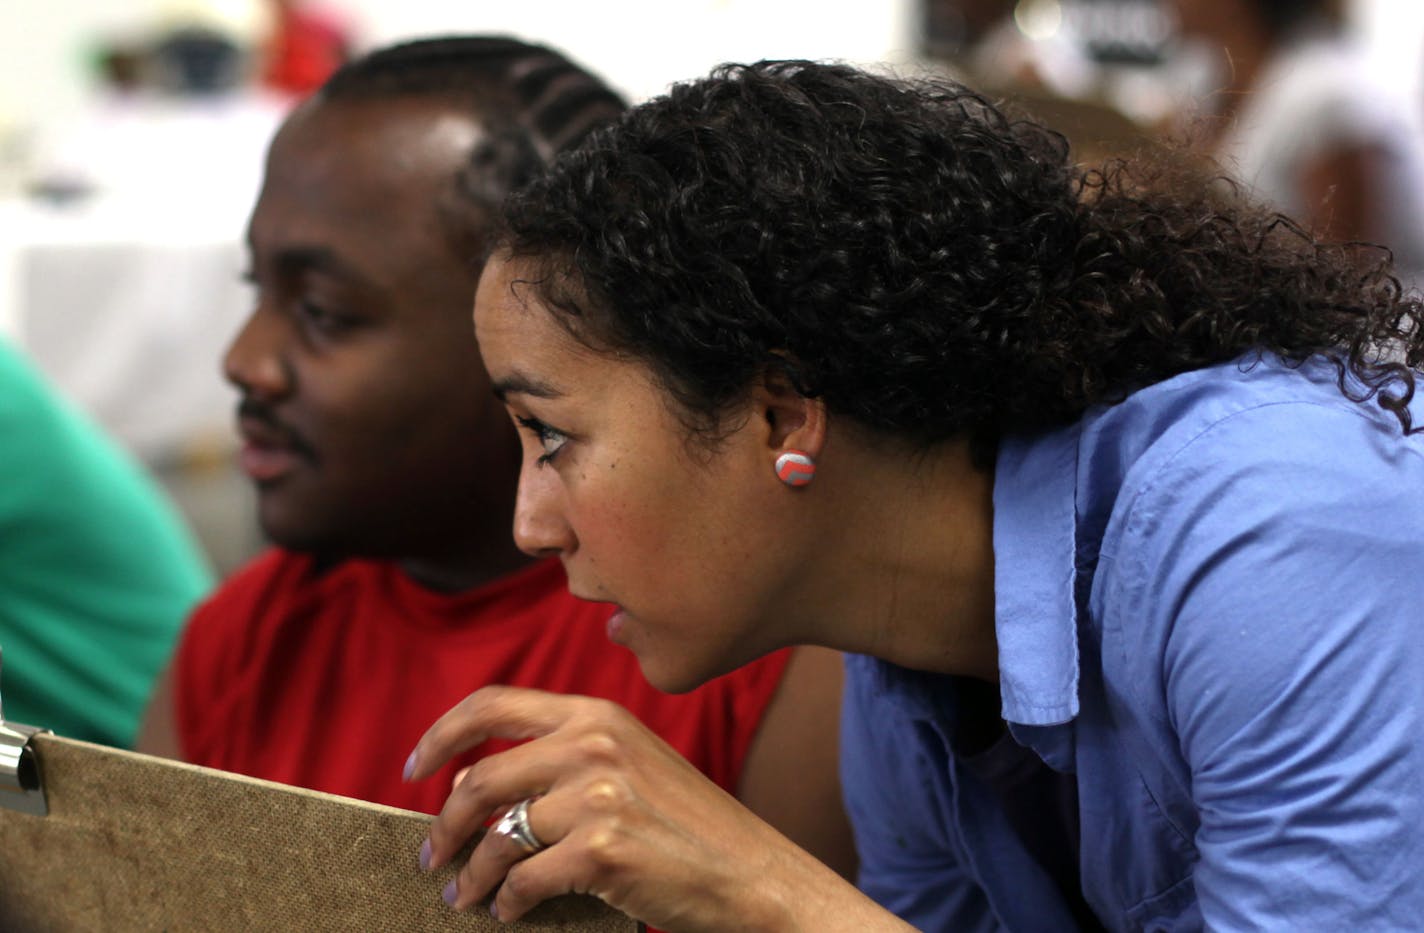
[541, 528]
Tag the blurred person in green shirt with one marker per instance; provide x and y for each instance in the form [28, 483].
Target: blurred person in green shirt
[97, 570]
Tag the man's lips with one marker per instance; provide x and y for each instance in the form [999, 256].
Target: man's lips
[269, 451]
[265, 464]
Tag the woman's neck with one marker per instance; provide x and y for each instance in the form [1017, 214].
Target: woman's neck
[915, 562]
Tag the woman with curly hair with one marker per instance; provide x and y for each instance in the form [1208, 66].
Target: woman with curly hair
[1113, 491]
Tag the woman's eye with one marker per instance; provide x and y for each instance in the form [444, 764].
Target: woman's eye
[550, 439]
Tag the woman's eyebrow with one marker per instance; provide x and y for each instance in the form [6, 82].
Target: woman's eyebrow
[519, 384]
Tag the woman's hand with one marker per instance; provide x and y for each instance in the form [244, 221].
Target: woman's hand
[624, 818]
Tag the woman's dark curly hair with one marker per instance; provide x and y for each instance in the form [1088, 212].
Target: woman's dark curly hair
[922, 263]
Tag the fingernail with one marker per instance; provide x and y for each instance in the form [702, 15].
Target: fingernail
[425, 855]
[450, 893]
[409, 767]
[494, 910]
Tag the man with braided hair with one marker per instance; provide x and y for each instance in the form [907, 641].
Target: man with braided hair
[386, 470]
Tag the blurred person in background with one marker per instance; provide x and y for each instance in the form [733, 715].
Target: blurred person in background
[386, 470]
[171, 105]
[114, 120]
[986, 43]
[1297, 116]
[304, 45]
[97, 571]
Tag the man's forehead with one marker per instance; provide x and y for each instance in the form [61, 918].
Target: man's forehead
[407, 128]
[355, 164]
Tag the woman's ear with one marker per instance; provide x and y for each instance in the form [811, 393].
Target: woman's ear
[794, 421]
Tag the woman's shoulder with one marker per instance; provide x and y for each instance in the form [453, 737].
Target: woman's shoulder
[1271, 503]
[1256, 410]
[1240, 485]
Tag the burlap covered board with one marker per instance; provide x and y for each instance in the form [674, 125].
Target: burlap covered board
[139, 843]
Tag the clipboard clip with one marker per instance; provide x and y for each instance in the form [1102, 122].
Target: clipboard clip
[21, 785]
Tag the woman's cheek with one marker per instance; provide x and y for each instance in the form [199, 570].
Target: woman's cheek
[618, 538]
[628, 507]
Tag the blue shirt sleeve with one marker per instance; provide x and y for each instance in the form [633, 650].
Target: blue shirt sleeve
[1272, 585]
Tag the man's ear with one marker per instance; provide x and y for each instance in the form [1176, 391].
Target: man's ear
[793, 421]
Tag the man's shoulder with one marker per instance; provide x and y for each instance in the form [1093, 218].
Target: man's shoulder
[273, 567]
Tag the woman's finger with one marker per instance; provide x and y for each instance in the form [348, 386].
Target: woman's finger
[551, 873]
[576, 736]
[488, 713]
[572, 858]
[497, 854]
[619, 856]
[498, 781]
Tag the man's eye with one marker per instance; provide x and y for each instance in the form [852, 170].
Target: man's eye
[323, 319]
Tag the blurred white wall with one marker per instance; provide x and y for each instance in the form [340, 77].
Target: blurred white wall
[1394, 31]
[643, 45]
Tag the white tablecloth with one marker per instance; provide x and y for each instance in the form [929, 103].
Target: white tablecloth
[128, 309]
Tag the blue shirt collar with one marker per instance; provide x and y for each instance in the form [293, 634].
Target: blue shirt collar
[1034, 546]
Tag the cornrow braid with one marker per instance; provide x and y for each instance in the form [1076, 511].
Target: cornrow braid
[532, 101]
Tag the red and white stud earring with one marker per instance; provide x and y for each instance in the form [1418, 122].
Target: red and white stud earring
[795, 468]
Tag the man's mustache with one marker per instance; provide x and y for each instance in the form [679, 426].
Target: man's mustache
[255, 417]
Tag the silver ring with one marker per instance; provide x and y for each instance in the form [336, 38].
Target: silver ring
[514, 826]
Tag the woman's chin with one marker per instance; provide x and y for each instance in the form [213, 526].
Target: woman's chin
[670, 677]
[668, 667]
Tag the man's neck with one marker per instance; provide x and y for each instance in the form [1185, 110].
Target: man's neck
[465, 571]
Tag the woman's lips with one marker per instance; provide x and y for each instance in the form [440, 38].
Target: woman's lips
[615, 626]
